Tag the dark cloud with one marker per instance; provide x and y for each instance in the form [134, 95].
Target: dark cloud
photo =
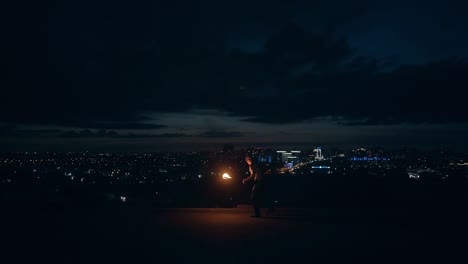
[221, 134]
[162, 135]
[6, 129]
[108, 125]
[86, 133]
[370, 122]
[12, 131]
[113, 134]
[109, 65]
[85, 64]
[359, 90]
[36, 132]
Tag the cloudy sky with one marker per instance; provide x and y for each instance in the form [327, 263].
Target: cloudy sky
[191, 75]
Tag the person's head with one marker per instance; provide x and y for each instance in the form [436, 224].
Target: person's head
[248, 160]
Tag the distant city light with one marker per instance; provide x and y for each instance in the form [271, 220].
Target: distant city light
[414, 176]
[168, 170]
[320, 167]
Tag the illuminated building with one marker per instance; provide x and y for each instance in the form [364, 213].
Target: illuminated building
[318, 155]
[289, 157]
[262, 155]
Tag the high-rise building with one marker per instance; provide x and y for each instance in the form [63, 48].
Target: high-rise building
[318, 155]
[289, 157]
[263, 155]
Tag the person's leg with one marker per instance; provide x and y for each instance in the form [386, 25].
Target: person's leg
[255, 201]
[269, 198]
[271, 206]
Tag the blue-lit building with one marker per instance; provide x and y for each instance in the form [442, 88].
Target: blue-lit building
[263, 155]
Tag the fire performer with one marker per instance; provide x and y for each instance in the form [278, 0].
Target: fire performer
[258, 193]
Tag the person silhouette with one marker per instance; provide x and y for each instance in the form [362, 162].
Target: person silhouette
[258, 192]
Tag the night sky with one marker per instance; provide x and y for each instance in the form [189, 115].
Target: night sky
[192, 75]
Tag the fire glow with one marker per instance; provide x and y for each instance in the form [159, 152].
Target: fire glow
[226, 176]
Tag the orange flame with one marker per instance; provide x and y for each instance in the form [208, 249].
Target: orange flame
[226, 176]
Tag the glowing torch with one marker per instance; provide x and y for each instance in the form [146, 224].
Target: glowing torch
[226, 176]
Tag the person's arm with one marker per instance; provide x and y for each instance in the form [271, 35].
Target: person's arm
[251, 176]
[246, 180]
